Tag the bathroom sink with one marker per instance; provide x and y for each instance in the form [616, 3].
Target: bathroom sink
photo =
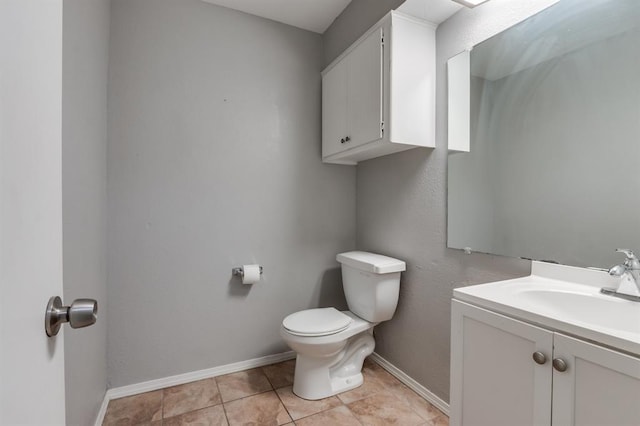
[597, 310]
[564, 298]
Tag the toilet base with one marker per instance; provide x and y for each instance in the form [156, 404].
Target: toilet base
[322, 377]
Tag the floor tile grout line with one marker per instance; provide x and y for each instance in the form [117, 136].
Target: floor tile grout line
[404, 403]
[284, 405]
[304, 417]
[197, 409]
[192, 411]
[267, 376]
[224, 410]
[224, 404]
[395, 395]
[271, 382]
[226, 415]
[248, 396]
[407, 388]
[354, 415]
[341, 403]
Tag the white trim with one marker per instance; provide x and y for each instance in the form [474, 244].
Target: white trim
[411, 383]
[103, 410]
[181, 379]
[459, 102]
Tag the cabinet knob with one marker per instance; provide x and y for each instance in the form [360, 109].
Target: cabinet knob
[539, 358]
[560, 364]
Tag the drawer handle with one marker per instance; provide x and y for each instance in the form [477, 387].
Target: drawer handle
[347, 139]
[342, 140]
[539, 358]
[560, 365]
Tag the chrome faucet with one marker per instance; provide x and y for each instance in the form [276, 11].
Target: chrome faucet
[629, 272]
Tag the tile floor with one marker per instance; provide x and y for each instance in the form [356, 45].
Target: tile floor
[263, 396]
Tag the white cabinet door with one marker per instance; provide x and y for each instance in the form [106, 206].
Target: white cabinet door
[31, 364]
[334, 109]
[599, 387]
[365, 88]
[494, 379]
[388, 90]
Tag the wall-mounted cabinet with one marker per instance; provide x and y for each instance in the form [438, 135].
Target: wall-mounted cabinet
[509, 372]
[378, 97]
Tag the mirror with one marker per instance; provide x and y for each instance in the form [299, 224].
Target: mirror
[553, 168]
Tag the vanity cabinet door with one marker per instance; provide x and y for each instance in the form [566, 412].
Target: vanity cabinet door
[600, 386]
[494, 377]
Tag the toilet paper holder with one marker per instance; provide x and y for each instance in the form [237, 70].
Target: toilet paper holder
[239, 271]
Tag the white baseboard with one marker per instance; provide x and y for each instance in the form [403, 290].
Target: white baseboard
[102, 411]
[411, 383]
[181, 379]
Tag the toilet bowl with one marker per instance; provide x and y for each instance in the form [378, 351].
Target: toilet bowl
[323, 366]
[332, 345]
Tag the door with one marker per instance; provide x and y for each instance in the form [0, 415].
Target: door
[600, 386]
[492, 361]
[334, 109]
[365, 88]
[31, 364]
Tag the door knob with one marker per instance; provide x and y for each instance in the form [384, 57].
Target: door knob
[81, 313]
[560, 365]
[539, 358]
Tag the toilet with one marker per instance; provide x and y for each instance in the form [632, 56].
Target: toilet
[332, 345]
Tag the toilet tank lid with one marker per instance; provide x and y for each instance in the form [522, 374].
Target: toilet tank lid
[371, 262]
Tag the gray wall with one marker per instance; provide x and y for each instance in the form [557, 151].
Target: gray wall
[401, 211]
[354, 21]
[214, 161]
[84, 196]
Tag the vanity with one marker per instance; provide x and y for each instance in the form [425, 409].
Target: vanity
[546, 349]
[535, 112]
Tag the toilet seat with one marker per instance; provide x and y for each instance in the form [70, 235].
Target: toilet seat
[316, 322]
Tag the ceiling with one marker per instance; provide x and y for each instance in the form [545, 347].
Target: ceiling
[312, 15]
[317, 15]
[436, 11]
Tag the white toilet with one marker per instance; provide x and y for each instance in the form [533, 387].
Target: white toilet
[332, 345]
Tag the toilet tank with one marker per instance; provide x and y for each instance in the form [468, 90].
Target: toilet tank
[371, 284]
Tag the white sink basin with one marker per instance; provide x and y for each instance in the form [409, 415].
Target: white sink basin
[566, 299]
[597, 309]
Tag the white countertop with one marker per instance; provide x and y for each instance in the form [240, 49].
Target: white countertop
[566, 299]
